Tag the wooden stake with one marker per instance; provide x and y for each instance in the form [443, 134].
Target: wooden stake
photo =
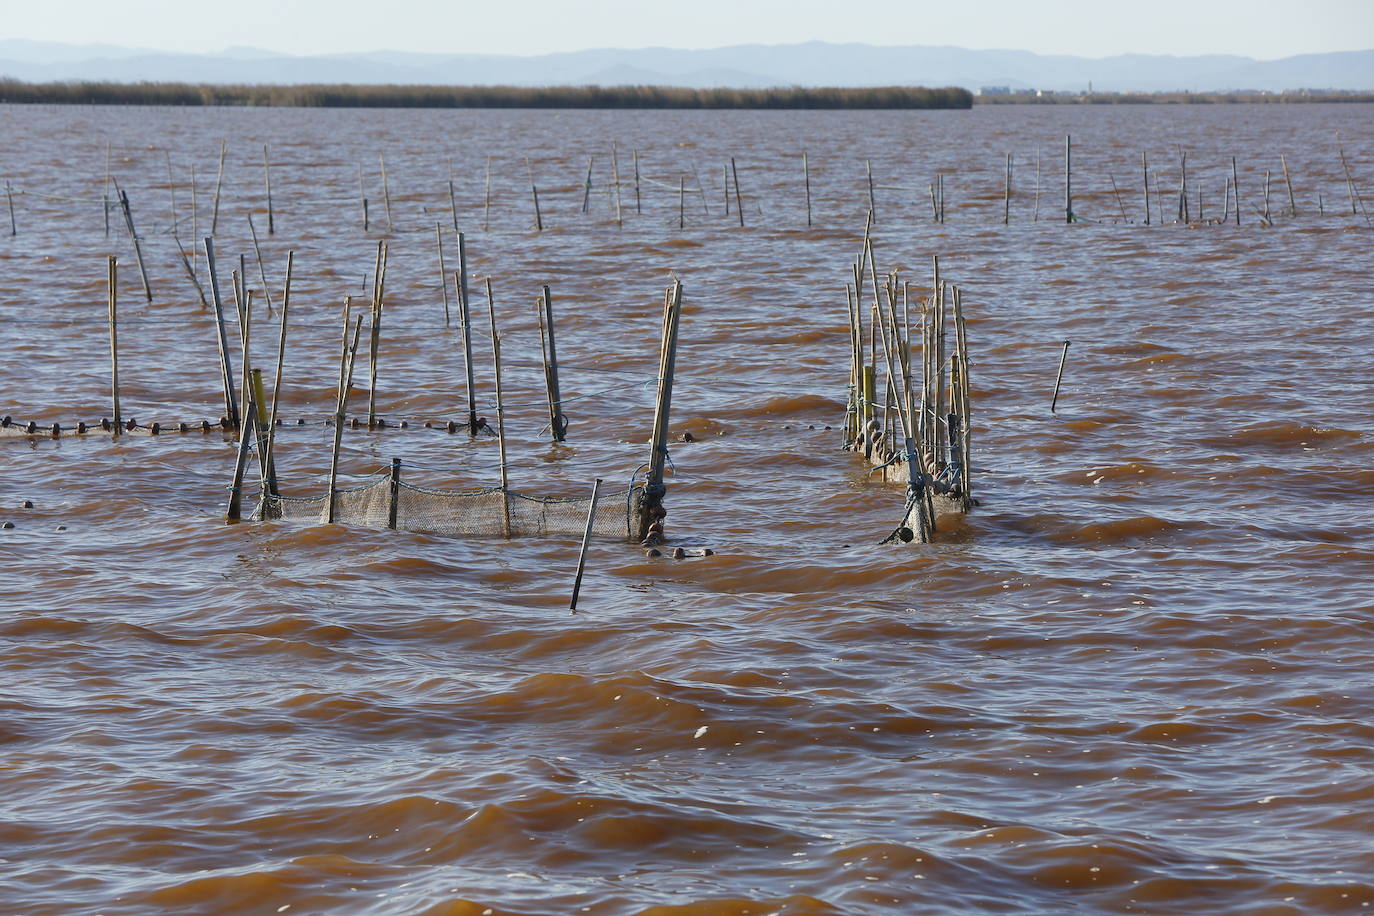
[267, 182]
[586, 538]
[1145, 184]
[486, 203]
[1267, 219]
[1116, 192]
[257, 254]
[1183, 186]
[246, 438]
[587, 185]
[386, 193]
[1063, 357]
[226, 365]
[268, 476]
[276, 383]
[500, 413]
[739, 200]
[1068, 179]
[393, 502]
[558, 423]
[538, 216]
[133, 236]
[868, 168]
[362, 198]
[1006, 196]
[652, 502]
[1292, 203]
[346, 363]
[615, 179]
[1036, 217]
[806, 175]
[465, 319]
[112, 277]
[219, 185]
[1235, 183]
[638, 209]
[375, 333]
[681, 201]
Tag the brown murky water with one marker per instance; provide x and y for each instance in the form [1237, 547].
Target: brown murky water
[1136, 680]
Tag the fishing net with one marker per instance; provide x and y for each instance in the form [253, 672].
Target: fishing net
[489, 512]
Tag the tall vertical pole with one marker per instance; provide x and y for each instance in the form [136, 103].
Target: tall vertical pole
[1068, 179]
[651, 506]
[558, 423]
[1235, 184]
[500, 413]
[465, 319]
[226, 365]
[393, 502]
[806, 175]
[112, 276]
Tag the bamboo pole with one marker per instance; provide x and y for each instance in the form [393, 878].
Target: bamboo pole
[868, 168]
[586, 538]
[246, 438]
[538, 216]
[195, 225]
[651, 506]
[615, 180]
[1006, 195]
[701, 188]
[558, 423]
[681, 202]
[806, 176]
[112, 277]
[267, 182]
[394, 496]
[739, 199]
[465, 320]
[375, 332]
[276, 382]
[105, 199]
[1235, 183]
[1145, 184]
[587, 185]
[500, 413]
[386, 193]
[638, 209]
[362, 199]
[443, 271]
[133, 236]
[1292, 203]
[226, 365]
[257, 254]
[1183, 186]
[1036, 217]
[1267, 219]
[1356, 201]
[1068, 179]
[1116, 193]
[243, 301]
[486, 202]
[268, 489]
[346, 362]
[1226, 207]
[219, 185]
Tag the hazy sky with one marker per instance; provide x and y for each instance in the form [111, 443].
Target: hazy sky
[1089, 28]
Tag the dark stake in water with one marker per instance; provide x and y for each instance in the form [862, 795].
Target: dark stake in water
[1135, 678]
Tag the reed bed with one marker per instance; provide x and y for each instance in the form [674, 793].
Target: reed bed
[361, 96]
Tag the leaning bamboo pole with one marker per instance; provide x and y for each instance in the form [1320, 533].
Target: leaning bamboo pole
[500, 414]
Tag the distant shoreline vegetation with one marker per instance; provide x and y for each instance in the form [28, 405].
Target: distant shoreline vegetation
[396, 96]
[1238, 97]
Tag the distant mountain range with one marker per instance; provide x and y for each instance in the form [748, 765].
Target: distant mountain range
[740, 66]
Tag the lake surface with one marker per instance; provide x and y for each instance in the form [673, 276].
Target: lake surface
[1135, 679]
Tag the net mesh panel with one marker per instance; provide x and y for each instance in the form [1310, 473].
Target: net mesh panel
[465, 513]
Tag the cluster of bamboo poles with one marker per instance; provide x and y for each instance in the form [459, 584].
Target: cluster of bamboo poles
[910, 421]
